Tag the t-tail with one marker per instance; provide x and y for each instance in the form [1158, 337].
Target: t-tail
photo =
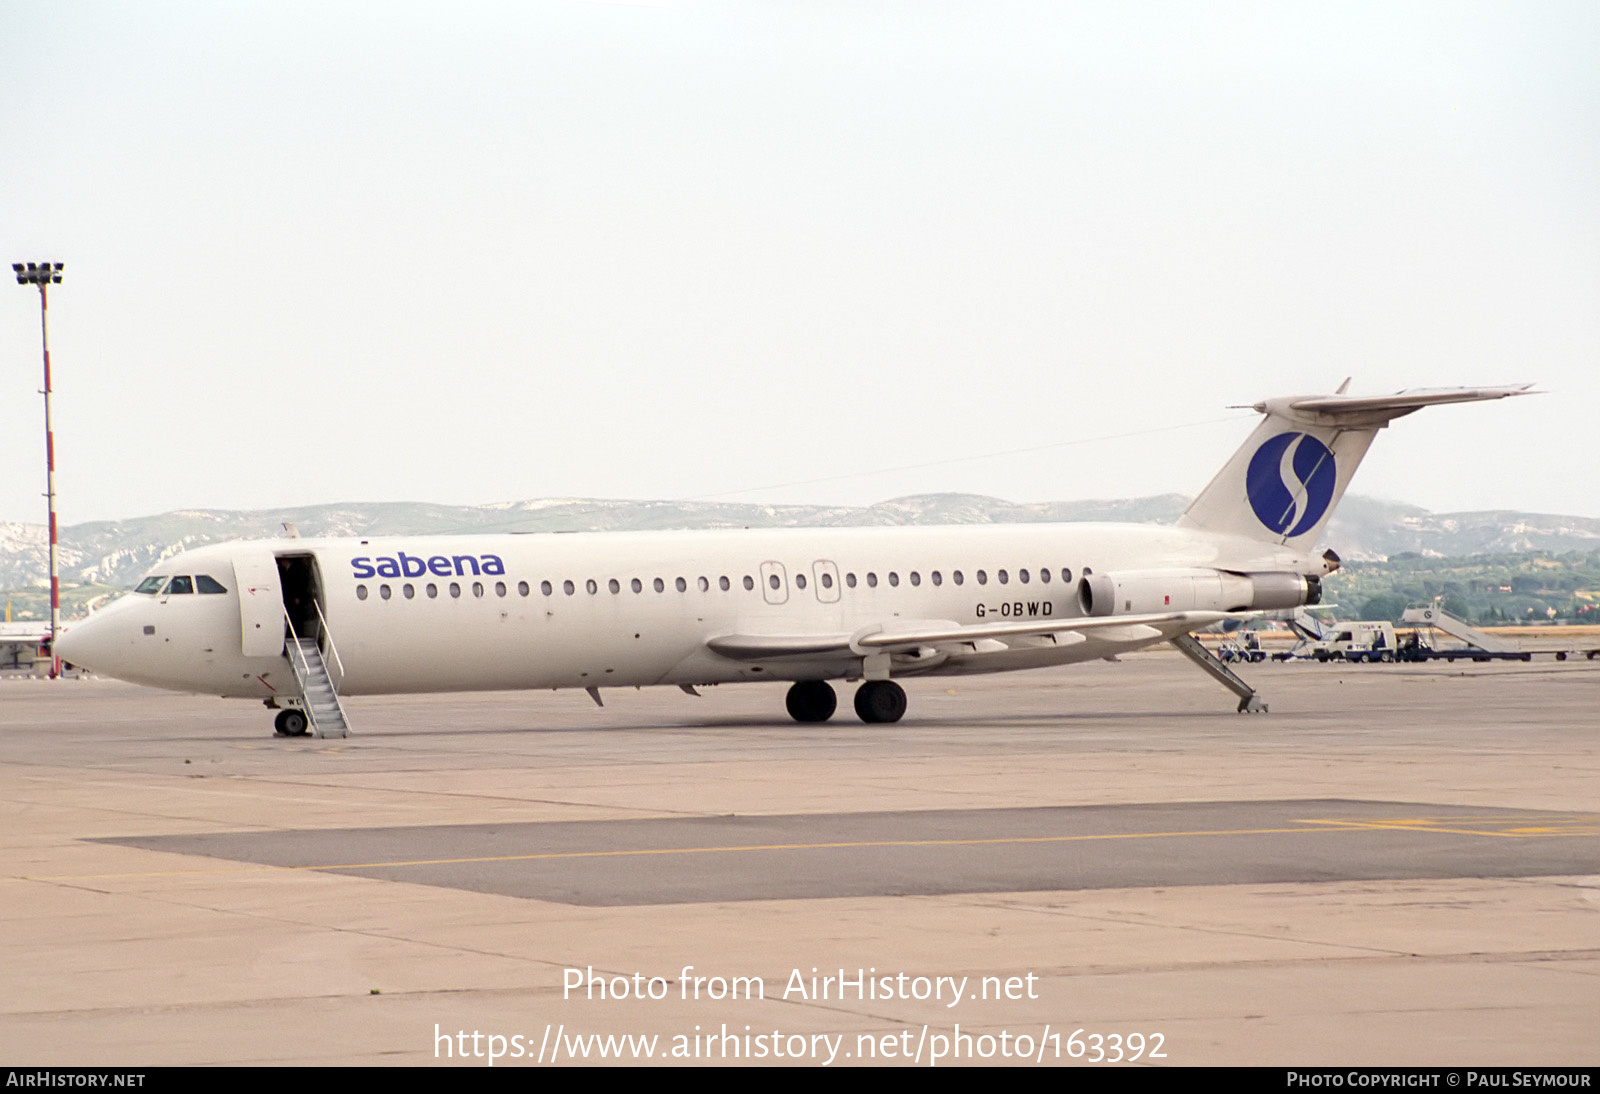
[1282, 485]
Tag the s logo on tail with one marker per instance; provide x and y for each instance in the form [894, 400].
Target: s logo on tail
[1286, 470]
[1290, 483]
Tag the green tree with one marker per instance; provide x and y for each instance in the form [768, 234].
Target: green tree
[1386, 606]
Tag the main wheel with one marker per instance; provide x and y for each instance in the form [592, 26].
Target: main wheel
[880, 701]
[290, 723]
[811, 701]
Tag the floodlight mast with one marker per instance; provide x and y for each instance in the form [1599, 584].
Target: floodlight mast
[45, 274]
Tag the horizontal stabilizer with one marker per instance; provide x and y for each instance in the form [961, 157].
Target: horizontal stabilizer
[1401, 402]
[1283, 484]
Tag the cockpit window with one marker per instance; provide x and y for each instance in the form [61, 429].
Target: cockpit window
[180, 585]
[207, 584]
[151, 585]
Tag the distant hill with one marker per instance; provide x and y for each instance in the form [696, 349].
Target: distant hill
[1371, 530]
[115, 553]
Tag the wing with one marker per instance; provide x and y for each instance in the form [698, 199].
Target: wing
[905, 636]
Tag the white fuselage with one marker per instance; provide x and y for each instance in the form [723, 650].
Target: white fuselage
[298, 622]
[455, 613]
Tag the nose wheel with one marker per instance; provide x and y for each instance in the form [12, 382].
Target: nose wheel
[880, 701]
[290, 723]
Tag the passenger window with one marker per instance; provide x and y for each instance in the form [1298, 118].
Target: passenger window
[1066, 575]
[361, 592]
[614, 585]
[916, 578]
[681, 585]
[827, 580]
[383, 592]
[180, 585]
[1044, 576]
[591, 586]
[499, 588]
[658, 585]
[957, 578]
[749, 583]
[1003, 576]
[983, 577]
[477, 588]
[455, 589]
[1022, 576]
[894, 579]
[723, 583]
[522, 588]
[409, 590]
[432, 590]
[799, 581]
[705, 585]
[207, 584]
[772, 579]
[938, 578]
[872, 580]
[850, 580]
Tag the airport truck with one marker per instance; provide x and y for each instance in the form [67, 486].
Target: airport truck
[1364, 640]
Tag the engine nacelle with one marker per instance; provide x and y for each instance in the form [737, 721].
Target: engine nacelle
[1141, 591]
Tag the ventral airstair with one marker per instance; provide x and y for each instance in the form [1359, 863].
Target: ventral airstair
[318, 683]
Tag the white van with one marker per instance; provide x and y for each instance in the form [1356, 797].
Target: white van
[1364, 641]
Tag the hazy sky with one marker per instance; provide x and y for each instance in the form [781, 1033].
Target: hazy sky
[476, 252]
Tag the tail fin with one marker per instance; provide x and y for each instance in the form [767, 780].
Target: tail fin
[1283, 484]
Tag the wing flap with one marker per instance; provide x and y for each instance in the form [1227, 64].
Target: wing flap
[899, 638]
[904, 637]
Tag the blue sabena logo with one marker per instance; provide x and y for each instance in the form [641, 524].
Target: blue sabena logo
[1290, 483]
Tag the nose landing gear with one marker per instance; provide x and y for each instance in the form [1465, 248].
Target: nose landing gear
[291, 723]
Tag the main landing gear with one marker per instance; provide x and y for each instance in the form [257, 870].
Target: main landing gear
[811, 701]
[877, 701]
[880, 701]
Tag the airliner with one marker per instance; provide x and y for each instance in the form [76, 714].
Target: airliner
[298, 624]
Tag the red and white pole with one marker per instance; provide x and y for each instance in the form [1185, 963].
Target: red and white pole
[44, 274]
[50, 482]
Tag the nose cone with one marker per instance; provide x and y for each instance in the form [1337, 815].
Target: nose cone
[103, 643]
[85, 644]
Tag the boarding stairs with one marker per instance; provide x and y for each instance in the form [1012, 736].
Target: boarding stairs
[1459, 629]
[1306, 626]
[319, 697]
